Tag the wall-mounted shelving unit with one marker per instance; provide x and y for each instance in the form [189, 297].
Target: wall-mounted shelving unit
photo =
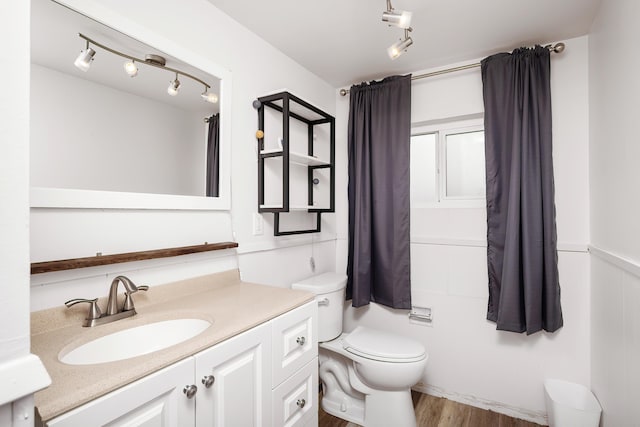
[295, 111]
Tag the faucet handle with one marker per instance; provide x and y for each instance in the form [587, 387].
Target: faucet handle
[128, 300]
[94, 310]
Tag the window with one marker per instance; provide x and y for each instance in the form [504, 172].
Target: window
[447, 165]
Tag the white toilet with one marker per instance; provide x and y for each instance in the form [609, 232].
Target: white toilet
[366, 374]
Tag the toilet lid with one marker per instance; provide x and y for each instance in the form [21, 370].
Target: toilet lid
[382, 346]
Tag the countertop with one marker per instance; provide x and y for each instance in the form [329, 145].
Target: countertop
[222, 298]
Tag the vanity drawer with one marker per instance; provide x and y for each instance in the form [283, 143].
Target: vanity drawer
[295, 400]
[295, 341]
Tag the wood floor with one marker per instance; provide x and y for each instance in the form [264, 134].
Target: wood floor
[439, 412]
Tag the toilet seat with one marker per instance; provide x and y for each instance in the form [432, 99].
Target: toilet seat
[382, 346]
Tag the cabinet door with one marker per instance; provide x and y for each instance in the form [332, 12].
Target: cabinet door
[295, 400]
[156, 400]
[240, 392]
[295, 341]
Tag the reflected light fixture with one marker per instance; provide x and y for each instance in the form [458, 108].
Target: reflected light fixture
[131, 68]
[174, 86]
[400, 47]
[400, 18]
[209, 96]
[83, 62]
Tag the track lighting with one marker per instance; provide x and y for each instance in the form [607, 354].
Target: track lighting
[401, 46]
[83, 62]
[209, 97]
[131, 68]
[174, 86]
[400, 19]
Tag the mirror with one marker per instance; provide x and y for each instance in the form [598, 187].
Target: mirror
[105, 139]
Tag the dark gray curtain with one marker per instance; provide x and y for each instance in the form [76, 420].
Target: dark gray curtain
[213, 156]
[524, 292]
[379, 132]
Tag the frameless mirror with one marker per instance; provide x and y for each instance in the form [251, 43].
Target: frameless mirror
[112, 135]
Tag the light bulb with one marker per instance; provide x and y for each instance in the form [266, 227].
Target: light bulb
[209, 97]
[174, 87]
[83, 61]
[399, 48]
[400, 19]
[131, 68]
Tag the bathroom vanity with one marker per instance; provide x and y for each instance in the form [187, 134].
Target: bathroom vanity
[256, 365]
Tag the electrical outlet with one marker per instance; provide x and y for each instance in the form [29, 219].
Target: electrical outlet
[258, 224]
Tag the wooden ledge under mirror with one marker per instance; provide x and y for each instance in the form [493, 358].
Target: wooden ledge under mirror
[73, 263]
[82, 122]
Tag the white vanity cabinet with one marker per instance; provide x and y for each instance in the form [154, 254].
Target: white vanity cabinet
[155, 400]
[264, 377]
[238, 374]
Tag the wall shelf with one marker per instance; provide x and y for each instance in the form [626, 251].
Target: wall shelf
[295, 111]
[297, 158]
[93, 261]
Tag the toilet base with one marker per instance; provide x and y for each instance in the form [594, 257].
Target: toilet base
[341, 405]
[389, 408]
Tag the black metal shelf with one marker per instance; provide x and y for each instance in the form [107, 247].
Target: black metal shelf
[292, 107]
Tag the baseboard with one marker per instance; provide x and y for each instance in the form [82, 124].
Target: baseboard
[511, 411]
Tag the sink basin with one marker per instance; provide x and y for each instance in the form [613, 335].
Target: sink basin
[134, 342]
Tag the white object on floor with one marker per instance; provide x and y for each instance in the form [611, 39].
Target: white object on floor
[570, 404]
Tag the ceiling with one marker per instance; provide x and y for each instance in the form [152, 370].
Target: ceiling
[345, 41]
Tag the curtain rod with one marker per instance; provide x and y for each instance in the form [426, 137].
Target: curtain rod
[556, 48]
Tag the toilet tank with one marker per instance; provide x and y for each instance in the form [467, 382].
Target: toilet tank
[329, 289]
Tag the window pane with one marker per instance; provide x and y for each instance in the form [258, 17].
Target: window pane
[423, 169]
[465, 165]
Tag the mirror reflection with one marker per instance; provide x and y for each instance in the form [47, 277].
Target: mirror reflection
[125, 117]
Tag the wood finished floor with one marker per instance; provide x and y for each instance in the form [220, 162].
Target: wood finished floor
[439, 412]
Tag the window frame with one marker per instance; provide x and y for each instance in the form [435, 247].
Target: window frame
[441, 129]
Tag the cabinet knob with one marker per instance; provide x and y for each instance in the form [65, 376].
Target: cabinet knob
[208, 381]
[301, 340]
[190, 390]
[301, 403]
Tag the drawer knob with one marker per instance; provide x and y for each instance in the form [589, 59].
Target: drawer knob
[323, 301]
[301, 340]
[190, 391]
[301, 403]
[208, 381]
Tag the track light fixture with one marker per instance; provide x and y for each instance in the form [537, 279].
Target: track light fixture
[83, 62]
[174, 86]
[400, 47]
[209, 96]
[131, 68]
[400, 18]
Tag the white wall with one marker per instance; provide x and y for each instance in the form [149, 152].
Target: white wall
[107, 139]
[257, 69]
[615, 209]
[16, 401]
[468, 359]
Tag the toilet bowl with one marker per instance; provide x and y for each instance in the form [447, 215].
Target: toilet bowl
[366, 374]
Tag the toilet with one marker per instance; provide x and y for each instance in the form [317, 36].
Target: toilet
[366, 374]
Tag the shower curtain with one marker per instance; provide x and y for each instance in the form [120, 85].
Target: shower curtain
[524, 290]
[213, 156]
[379, 133]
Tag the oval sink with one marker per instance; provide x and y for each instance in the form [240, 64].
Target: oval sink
[134, 342]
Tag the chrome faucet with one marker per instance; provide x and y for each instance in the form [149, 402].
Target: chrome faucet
[130, 288]
[95, 316]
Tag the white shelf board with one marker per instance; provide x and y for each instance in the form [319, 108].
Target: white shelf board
[291, 208]
[301, 159]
